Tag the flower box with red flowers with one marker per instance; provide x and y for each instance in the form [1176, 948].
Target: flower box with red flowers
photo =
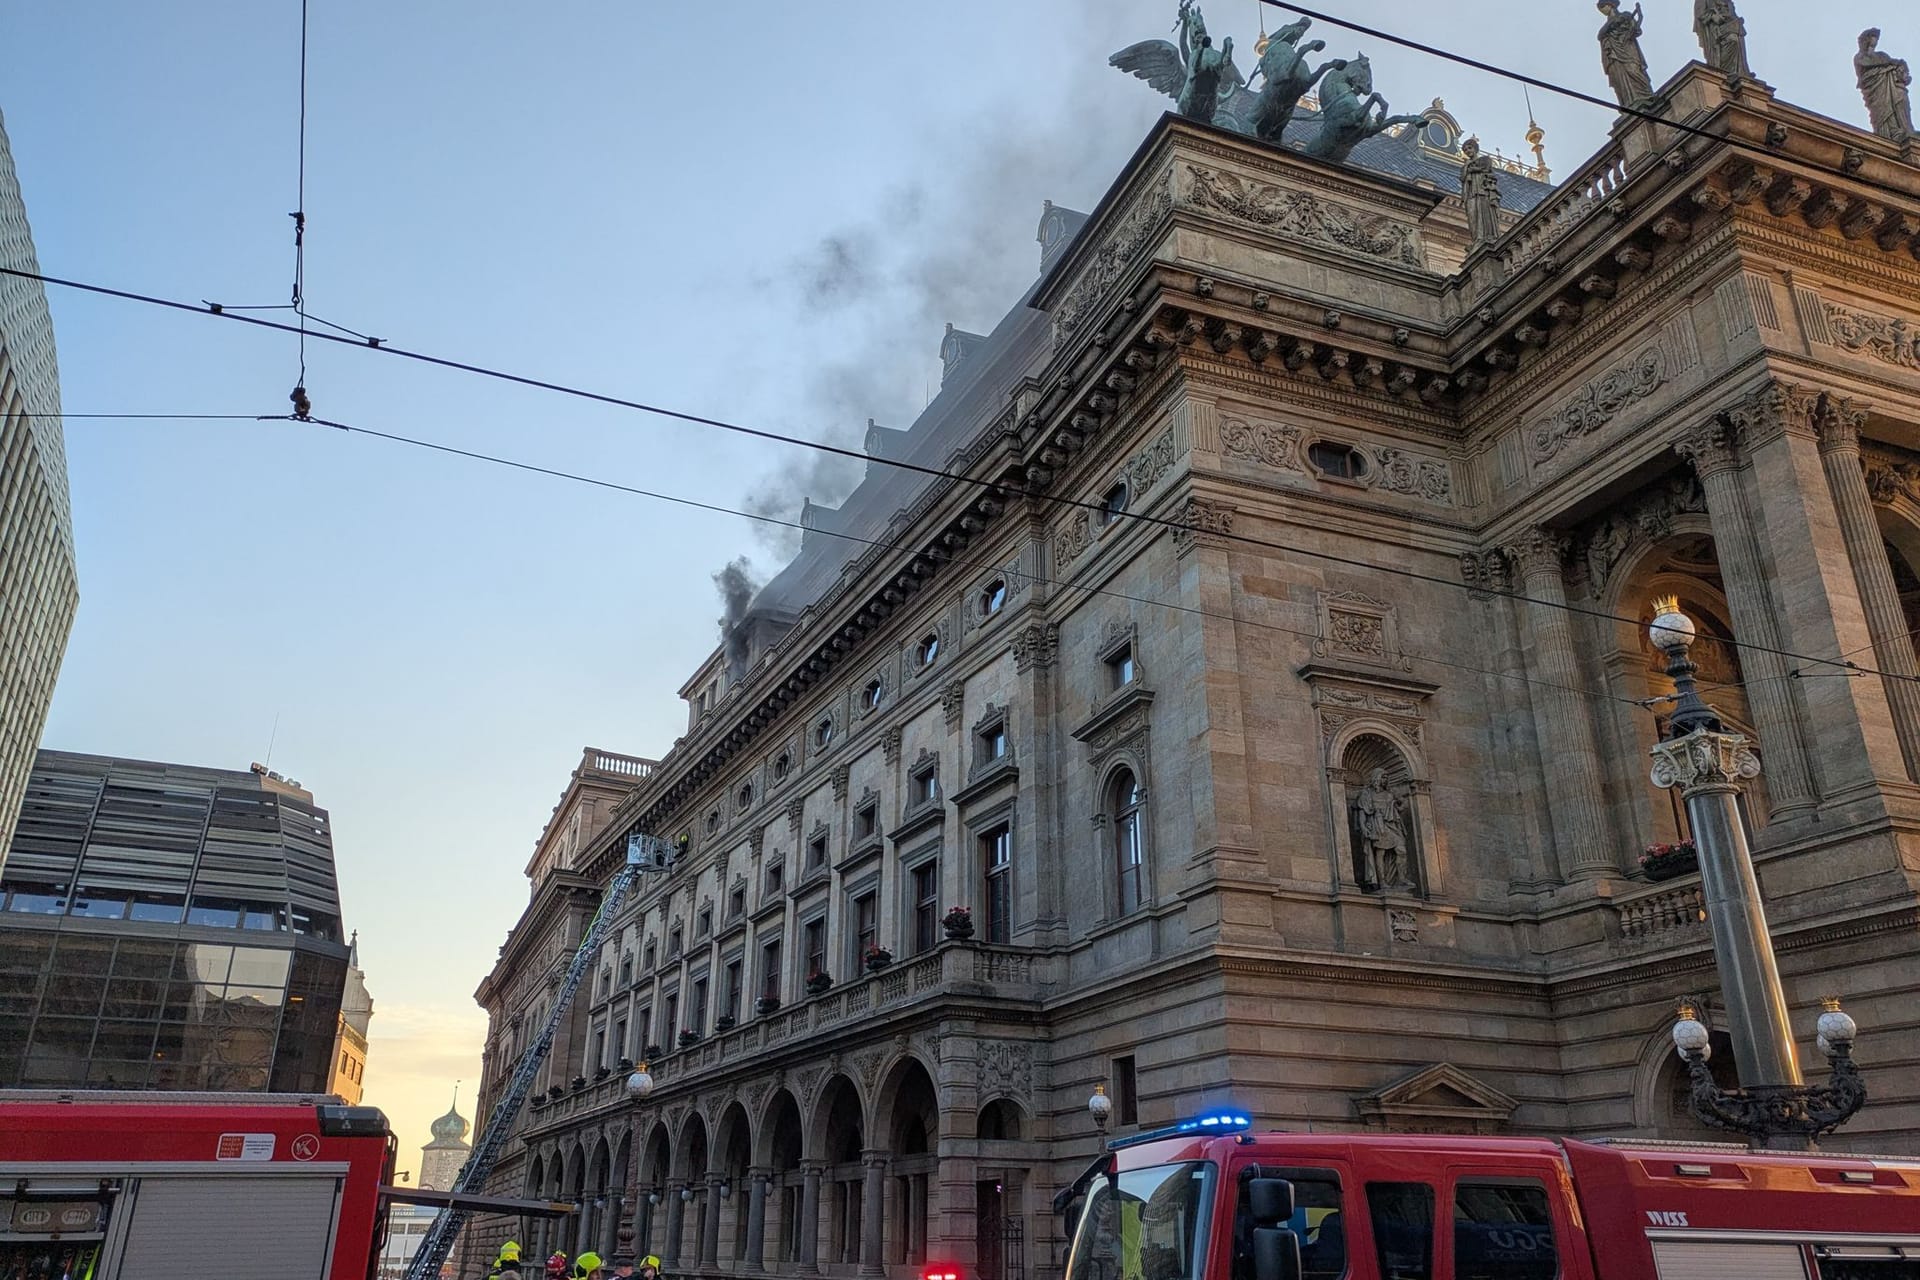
[1666, 861]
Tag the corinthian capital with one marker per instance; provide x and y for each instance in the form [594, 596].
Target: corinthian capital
[1711, 446]
[1775, 408]
[1704, 759]
[1538, 552]
[1838, 420]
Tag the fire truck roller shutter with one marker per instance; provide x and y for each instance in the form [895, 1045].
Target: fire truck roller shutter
[231, 1228]
[1718, 1259]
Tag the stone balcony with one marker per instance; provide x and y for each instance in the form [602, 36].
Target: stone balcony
[963, 970]
[1670, 912]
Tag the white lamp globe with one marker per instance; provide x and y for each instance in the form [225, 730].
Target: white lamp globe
[1690, 1036]
[1670, 629]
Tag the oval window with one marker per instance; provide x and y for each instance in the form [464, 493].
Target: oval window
[1337, 461]
[929, 650]
[871, 696]
[745, 797]
[993, 598]
[823, 732]
[1113, 504]
[782, 766]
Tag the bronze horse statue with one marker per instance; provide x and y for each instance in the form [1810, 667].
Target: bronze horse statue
[1347, 103]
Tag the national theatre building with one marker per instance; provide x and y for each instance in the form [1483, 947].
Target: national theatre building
[1259, 709]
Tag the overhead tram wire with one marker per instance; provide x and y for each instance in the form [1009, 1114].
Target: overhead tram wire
[299, 396]
[1580, 95]
[994, 487]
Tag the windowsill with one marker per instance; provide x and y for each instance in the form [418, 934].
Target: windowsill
[814, 879]
[986, 776]
[735, 925]
[771, 906]
[869, 848]
[923, 816]
[1117, 704]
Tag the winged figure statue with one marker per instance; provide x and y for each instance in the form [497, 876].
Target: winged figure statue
[1201, 79]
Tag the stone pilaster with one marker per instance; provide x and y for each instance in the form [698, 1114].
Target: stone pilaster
[1837, 422]
[1711, 449]
[1562, 718]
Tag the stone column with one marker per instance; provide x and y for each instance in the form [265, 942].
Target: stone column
[1562, 717]
[1838, 423]
[583, 1225]
[610, 1231]
[757, 1219]
[1710, 447]
[676, 1218]
[810, 1217]
[710, 1222]
[873, 1214]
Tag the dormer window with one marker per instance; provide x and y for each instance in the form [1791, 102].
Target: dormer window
[994, 598]
[1113, 504]
[1337, 461]
[927, 650]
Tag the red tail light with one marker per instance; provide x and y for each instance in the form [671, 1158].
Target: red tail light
[941, 1271]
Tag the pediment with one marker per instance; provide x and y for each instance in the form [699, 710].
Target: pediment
[1437, 1097]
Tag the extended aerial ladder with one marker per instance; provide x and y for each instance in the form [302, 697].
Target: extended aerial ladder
[645, 855]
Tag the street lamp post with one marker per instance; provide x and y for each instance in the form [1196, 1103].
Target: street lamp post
[639, 1088]
[1709, 765]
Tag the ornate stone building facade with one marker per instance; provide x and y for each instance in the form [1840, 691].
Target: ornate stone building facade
[39, 590]
[1271, 688]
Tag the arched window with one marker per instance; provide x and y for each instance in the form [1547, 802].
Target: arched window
[1124, 803]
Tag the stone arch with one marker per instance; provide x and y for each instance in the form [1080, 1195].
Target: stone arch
[656, 1157]
[1660, 1084]
[838, 1132]
[576, 1185]
[623, 1159]
[1108, 816]
[907, 1090]
[733, 1156]
[778, 1140]
[907, 1126]
[780, 1145]
[1899, 522]
[690, 1150]
[1001, 1119]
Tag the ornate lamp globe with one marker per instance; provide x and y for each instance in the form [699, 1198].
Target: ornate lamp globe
[1100, 1106]
[1836, 1027]
[1671, 629]
[1690, 1035]
[640, 1083]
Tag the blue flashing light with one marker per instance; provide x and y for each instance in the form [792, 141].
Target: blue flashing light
[1207, 1123]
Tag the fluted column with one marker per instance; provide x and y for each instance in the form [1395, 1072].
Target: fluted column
[1710, 447]
[1562, 718]
[873, 1214]
[810, 1217]
[1838, 423]
[710, 1222]
[676, 1219]
[757, 1219]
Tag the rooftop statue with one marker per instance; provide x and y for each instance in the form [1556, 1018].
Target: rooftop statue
[1200, 79]
[1723, 36]
[1883, 81]
[1285, 78]
[1620, 55]
[1347, 103]
[1480, 192]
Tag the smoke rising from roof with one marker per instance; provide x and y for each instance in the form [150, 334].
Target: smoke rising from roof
[736, 585]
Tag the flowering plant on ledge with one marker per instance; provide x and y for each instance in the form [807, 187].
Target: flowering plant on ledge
[766, 1005]
[1665, 861]
[958, 922]
[689, 1036]
[819, 981]
[877, 957]
[723, 1023]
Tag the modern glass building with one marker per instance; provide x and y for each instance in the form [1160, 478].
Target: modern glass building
[38, 588]
[168, 927]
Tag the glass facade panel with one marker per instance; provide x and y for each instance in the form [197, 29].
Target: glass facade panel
[260, 966]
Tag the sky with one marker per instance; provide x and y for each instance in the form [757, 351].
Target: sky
[760, 213]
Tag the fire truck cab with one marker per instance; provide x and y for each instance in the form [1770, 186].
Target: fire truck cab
[117, 1186]
[1209, 1200]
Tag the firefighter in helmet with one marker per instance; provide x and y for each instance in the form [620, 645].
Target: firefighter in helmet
[649, 1268]
[506, 1265]
[588, 1267]
[557, 1267]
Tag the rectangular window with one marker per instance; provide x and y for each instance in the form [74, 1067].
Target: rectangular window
[993, 742]
[620, 1046]
[626, 969]
[815, 935]
[647, 958]
[816, 853]
[1402, 1214]
[736, 902]
[599, 1058]
[1126, 1091]
[996, 860]
[866, 928]
[672, 1018]
[697, 1009]
[1319, 1224]
[673, 945]
[731, 1007]
[646, 1032]
[703, 923]
[1503, 1230]
[926, 786]
[1120, 667]
[866, 822]
[770, 971]
[776, 877]
[926, 905]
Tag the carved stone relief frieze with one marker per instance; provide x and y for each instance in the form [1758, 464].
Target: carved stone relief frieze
[951, 699]
[890, 745]
[1271, 444]
[1075, 536]
[1006, 1067]
[839, 778]
[1302, 216]
[1405, 927]
[1203, 524]
[1341, 701]
[1402, 472]
[1116, 254]
[1354, 625]
[1887, 339]
[1035, 646]
[1648, 516]
[1599, 402]
[1145, 468]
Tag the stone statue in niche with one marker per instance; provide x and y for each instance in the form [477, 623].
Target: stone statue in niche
[1380, 827]
[1723, 36]
[1883, 81]
[1480, 190]
[1620, 55]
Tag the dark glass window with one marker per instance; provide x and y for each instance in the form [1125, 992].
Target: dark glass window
[735, 979]
[703, 923]
[1120, 668]
[1318, 1222]
[671, 1018]
[1402, 1215]
[926, 785]
[993, 741]
[770, 971]
[996, 858]
[1129, 847]
[815, 935]
[1503, 1230]
[823, 732]
[926, 906]
[697, 1009]
[816, 852]
[874, 694]
[1342, 462]
[1126, 1091]
[736, 901]
[866, 926]
[776, 876]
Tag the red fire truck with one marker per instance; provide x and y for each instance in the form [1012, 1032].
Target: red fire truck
[1209, 1200]
[103, 1186]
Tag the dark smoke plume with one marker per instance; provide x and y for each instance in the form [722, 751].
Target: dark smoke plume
[736, 587]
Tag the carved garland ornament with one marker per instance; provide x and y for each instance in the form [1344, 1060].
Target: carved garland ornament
[1600, 402]
[1267, 443]
[1885, 338]
[1112, 260]
[1302, 216]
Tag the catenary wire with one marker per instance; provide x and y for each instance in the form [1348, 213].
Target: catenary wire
[992, 486]
[1581, 95]
[951, 558]
[300, 208]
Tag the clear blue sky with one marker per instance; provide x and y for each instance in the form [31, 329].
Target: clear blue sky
[628, 196]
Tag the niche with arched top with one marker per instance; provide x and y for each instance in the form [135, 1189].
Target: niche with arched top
[1383, 826]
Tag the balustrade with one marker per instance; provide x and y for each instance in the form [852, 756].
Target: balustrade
[1594, 186]
[1667, 910]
